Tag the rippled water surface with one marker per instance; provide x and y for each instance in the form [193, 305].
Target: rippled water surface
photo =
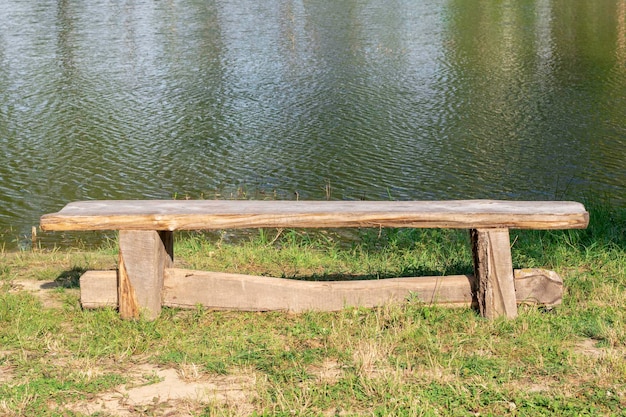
[362, 99]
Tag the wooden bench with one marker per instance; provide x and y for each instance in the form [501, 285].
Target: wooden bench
[146, 237]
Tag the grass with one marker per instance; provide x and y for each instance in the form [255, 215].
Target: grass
[404, 360]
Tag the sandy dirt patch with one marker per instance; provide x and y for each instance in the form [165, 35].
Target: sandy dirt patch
[43, 290]
[588, 347]
[172, 392]
[151, 390]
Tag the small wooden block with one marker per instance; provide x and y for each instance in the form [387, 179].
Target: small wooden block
[538, 286]
[98, 289]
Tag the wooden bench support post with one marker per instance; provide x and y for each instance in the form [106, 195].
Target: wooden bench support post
[144, 255]
[493, 269]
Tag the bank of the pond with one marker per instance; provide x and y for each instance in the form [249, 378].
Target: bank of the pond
[411, 359]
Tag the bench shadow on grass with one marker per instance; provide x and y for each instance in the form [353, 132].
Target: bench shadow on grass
[67, 279]
[71, 278]
[458, 268]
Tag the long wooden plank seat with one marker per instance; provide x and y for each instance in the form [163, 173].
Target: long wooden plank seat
[146, 233]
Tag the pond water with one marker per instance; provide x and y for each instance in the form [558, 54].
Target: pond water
[309, 99]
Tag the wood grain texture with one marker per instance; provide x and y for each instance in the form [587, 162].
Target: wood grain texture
[126, 296]
[493, 269]
[251, 293]
[232, 214]
[538, 286]
[98, 289]
[143, 258]
[187, 289]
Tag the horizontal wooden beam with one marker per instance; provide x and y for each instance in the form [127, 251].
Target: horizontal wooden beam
[187, 289]
[232, 214]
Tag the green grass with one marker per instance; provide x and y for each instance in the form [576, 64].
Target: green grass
[404, 360]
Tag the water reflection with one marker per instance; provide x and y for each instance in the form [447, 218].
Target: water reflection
[528, 97]
[401, 99]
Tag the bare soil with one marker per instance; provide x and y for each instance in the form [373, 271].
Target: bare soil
[151, 389]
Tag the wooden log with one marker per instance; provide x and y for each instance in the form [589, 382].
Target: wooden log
[229, 214]
[143, 257]
[493, 269]
[187, 289]
[251, 293]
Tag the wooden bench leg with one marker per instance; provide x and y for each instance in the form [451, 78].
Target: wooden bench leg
[144, 255]
[493, 269]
